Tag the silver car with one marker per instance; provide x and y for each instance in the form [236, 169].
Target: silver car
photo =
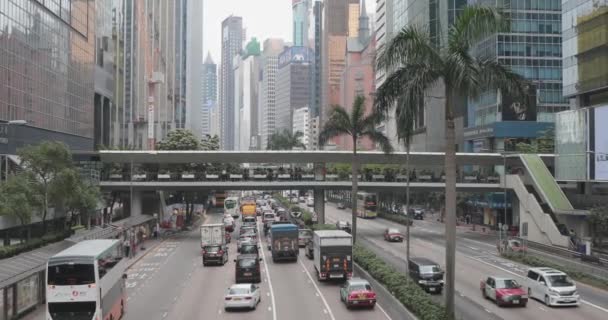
[242, 296]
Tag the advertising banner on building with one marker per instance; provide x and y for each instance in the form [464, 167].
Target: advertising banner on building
[295, 55]
[601, 143]
[571, 145]
[521, 108]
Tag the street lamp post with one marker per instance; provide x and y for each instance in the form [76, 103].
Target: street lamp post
[8, 144]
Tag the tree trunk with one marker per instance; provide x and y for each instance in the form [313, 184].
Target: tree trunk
[45, 209]
[450, 206]
[353, 195]
[407, 208]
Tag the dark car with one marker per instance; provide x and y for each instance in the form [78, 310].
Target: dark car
[247, 268]
[427, 274]
[215, 254]
[418, 213]
[250, 248]
[343, 225]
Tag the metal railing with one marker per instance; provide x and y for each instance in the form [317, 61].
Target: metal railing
[566, 256]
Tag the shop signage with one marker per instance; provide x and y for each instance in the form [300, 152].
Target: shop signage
[478, 132]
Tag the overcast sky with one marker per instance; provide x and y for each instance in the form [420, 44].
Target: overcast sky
[262, 18]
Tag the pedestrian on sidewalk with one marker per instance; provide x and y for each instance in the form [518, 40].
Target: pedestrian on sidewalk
[127, 246]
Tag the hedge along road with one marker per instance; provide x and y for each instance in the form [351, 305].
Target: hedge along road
[470, 267]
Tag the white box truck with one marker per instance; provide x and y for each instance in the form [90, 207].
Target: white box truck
[213, 244]
[333, 254]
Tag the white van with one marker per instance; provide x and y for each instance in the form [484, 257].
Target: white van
[268, 216]
[552, 286]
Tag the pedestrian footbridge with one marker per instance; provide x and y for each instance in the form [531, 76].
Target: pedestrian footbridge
[540, 203]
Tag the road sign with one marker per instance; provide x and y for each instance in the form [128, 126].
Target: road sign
[505, 227]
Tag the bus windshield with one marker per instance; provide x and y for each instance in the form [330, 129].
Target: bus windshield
[71, 274]
[230, 204]
[370, 202]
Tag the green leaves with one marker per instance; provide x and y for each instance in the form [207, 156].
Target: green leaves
[400, 285]
[179, 139]
[355, 124]
[19, 198]
[285, 140]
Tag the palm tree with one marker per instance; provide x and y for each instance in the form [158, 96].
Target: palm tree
[356, 125]
[415, 65]
[285, 140]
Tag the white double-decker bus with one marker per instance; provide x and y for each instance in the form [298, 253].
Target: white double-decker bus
[87, 282]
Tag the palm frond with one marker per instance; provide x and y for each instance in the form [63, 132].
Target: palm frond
[410, 78]
[338, 123]
[475, 23]
[493, 75]
[405, 117]
[378, 137]
[411, 44]
[358, 111]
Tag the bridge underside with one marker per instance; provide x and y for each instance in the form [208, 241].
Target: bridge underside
[291, 185]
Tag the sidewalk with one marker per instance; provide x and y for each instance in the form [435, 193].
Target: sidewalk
[150, 245]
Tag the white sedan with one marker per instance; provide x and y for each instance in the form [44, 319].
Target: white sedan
[240, 296]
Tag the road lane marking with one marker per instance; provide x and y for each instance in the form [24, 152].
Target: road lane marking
[272, 302]
[331, 314]
[383, 311]
[518, 275]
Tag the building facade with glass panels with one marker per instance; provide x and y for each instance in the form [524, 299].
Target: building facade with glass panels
[533, 49]
[47, 51]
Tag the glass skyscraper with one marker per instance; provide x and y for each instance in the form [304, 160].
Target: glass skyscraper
[533, 49]
[46, 71]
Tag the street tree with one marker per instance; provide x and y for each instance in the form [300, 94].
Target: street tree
[357, 125]
[415, 64]
[210, 143]
[78, 197]
[44, 162]
[183, 139]
[286, 140]
[19, 199]
[598, 220]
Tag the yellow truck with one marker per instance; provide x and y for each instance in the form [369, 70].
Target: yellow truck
[248, 209]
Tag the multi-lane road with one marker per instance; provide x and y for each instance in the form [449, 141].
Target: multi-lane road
[171, 283]
[475, 258]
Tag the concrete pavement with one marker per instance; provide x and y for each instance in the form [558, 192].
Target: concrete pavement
[473, 261]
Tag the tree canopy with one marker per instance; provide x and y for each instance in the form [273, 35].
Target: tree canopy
[285, 140]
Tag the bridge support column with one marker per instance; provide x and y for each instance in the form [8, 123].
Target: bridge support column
[319, 196]
[136, 203]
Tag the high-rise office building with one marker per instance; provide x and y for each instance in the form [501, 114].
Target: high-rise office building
[105, 107]
[337, 25]
[194, 73]
[585, 52]
[301, 22]
[246, 75]
[316, 78]
[47, 77]
[267, 97]
[209, 94]
[358, 77]
[293, 84]
[580, 134]
[301, 123]
[533, 49]
[154, 97]
[232, 44]
[384, 33]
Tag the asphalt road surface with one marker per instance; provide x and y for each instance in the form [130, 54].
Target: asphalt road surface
[171, 283]
[475, 259]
